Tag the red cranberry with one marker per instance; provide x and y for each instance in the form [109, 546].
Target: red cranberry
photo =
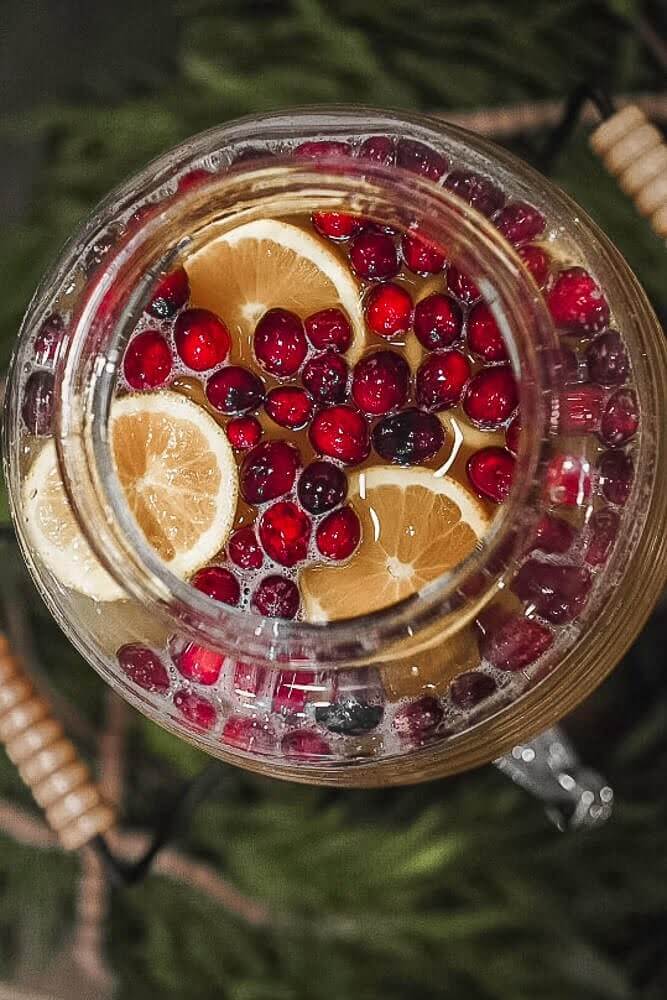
[269, 471]
[198, 664]
[476, 190]
[580, 409]
[244, 432]
[517, 643]
[147, 361]
[553, 535]
[284, 531]
[568, 480]
[620, 419]
[408, 438]
[576, 302]
[491, 471]
[144, 667]
[520, 222]
[388, 310]
[492, 397]
[379, 148]
[380, 382]
[202, 340]
[289, 406]
[48, 340]
[460, 285]
[322, 486]
[329, 328]
[193, 178]
[338, 535]
[291, 692]
[603, 529]
[235, 390]
[336, 225]
[276, 597]
[421, 255]
[249, 678]
[418, 718]
[616, 476]
[248, 734]
[373, 255]
[484, 338]
[304, 743]
[315, 150]
[607, 359]
[438, 321]
[244, 550]
[537, 262]
[340, 432]
[513, 435]
[197, 710]
[469, 689]
[218, 583]
[37, 407]
[420, 159]
[171, 294]
[325, 377]
[441, 379]
[558, 593]
[280, 343]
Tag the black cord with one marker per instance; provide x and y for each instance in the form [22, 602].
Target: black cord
[560, 135]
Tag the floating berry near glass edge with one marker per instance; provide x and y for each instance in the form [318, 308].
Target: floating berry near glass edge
[478, 191]
[248, 734]
[419, 718]
[171, 294]
[144, 667]
[276, 597]
[336, 225]
[616, 474]
[37, 406]
[517, 643]
[408, 438]
[147, 361]
[388, 310]
[438, 321]
[380, 382]
[620, 419]
[558, 593]
[49, 338]
[244, 433]
[577, 303]
[197, 710]
[471, 688]
[338, 535]
[279, 342]
[291, 691]
[520, 222]
[484, 338]
[379, 148]
[491, 472]
[340, 432]
[302, 743]
[325, 377]
[441, 379]
[244, 549]
[289, 406]
[460, 285]
[235, 390]
[329, 328]
[315, 150]
[197, 663]
[421, 255]
[537, 262]
[218, 583]
[349, 717]
[193, 178]
[248, 679]
[602, 531]
[553, 535]
[607, 359]
[492, 396]
[568, 481]
[513, 436]
[373, 255]
[321, 487]
[580, 409]
[202, 339]
[284, 531]
[269, 471]
[420, 159]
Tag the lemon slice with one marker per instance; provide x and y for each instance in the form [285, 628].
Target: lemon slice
[266, 264]
[415, 526]
[179, 477]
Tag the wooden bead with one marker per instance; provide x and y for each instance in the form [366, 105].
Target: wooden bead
[644, 170]
[60, 783]
[44, 762]
[72, 806]
[97, 820]
[8, 668]
[30, 742]
[13, 692]
[21, 717]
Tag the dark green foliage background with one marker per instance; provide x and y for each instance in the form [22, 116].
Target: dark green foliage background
[458, 889]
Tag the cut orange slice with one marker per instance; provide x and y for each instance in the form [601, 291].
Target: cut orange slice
[266, 264]
[415, 527]
[180, 480]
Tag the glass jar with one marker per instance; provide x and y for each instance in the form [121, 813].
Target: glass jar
[394, 696]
